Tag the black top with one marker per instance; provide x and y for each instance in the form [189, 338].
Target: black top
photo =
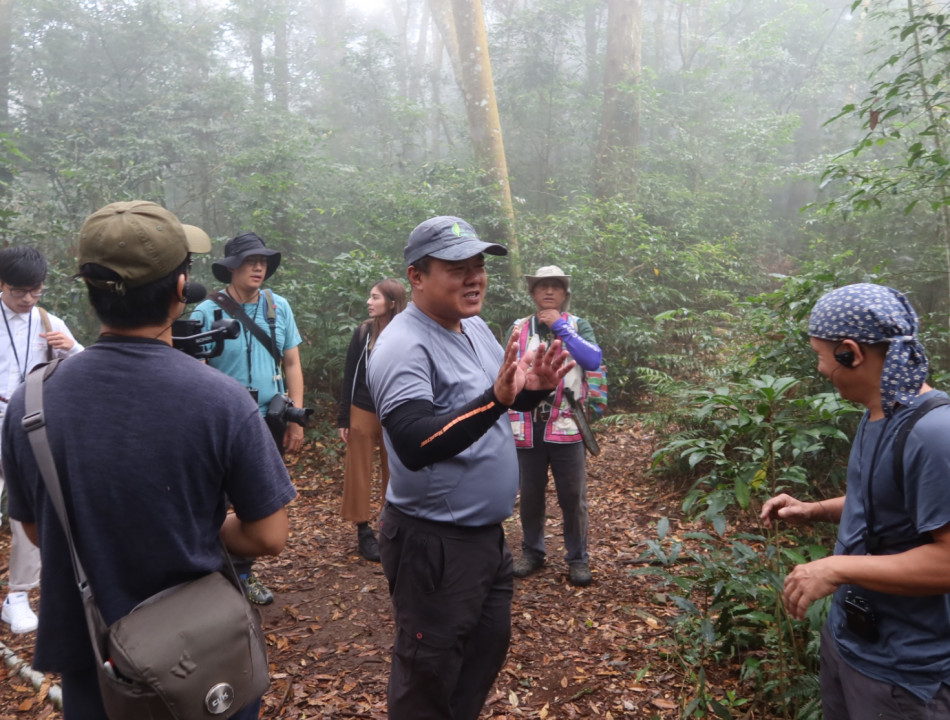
[355, 391]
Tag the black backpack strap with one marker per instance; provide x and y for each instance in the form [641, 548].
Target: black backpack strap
[232, 308]
[900, 439]
[874, 543]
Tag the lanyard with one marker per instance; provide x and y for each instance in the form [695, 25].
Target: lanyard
[247, 338]
[16, 355]
[872, 542]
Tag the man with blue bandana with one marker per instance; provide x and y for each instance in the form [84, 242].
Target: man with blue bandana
[884, 649]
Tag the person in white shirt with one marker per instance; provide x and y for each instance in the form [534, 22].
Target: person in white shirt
[30, 336]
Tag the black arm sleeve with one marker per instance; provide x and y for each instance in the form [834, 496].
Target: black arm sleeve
[528, 400]
[421, 438]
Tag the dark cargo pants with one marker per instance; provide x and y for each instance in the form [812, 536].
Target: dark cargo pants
[451, 589]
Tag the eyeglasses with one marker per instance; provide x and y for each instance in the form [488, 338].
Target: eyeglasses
[20, 293]
[254, 260]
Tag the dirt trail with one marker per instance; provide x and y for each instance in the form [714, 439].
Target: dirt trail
[575, 652]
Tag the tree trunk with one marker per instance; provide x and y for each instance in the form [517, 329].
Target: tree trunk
[281, 69]
[616, 165]
[255, 47]
[484, 124]
[6, 49]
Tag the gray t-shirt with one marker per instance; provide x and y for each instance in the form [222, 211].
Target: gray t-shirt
[912, 651]
[415, 358]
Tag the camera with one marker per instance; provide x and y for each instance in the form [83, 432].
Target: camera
[860, 616]
[188, 336]
[282, 410]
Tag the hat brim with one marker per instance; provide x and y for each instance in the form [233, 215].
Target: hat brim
[533, 280]
[465, 250]
[197, 239]
[221, 269]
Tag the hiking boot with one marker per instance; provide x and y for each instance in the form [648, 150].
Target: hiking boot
[18, 613]
[257, 592]
[369, 548]
[579, 574]
[528, 564]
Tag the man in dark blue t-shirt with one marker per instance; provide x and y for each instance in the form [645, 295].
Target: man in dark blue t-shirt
[152, 448]
[884, 650]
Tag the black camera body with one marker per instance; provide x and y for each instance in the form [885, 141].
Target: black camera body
[188, 336]
[860, 617]
[280, 411]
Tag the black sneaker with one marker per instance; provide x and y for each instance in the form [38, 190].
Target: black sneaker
[369, 548]
[528, 564]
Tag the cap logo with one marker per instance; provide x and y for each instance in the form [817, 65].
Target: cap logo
[457, 230]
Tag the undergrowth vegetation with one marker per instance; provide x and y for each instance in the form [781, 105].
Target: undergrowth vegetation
[759, 422]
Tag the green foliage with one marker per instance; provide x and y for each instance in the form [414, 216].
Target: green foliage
[755, 438]
[330, 310]
[728, 600]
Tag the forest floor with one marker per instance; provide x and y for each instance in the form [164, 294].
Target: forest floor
[604, 651]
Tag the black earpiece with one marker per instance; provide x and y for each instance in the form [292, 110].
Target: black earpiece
[845, 357]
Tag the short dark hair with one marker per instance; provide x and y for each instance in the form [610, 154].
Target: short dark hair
[22, 266]
[423, 264]
[136, 307]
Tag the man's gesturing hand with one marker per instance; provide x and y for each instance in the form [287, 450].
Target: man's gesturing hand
[541, 369]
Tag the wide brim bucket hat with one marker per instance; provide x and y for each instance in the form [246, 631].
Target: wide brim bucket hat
[237, 250]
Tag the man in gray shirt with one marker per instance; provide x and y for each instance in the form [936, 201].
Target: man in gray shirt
[442, 384]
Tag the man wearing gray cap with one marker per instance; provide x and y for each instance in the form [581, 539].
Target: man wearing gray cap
[441, 384]
[151, 447]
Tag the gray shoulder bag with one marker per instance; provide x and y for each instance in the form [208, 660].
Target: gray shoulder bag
[191, 652]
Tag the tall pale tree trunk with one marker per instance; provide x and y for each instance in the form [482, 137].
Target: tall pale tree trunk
[445, 21]
[484, 124]
[281, 66]
[6, 50]
[329, 17]
[6, 62]
[616, 165]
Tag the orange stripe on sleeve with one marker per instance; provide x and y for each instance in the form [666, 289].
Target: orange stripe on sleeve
[461, 418]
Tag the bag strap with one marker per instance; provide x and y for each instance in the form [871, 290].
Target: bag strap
[48, 328]
[232, 308]
[34, 423]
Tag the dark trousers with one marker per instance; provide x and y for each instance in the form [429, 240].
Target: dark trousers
[568, 463]
[82, 701]
[451, 589]
[847, 694]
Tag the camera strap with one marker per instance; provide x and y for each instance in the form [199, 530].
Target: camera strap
[234, 309]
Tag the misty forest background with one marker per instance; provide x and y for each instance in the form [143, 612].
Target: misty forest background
[705, 169]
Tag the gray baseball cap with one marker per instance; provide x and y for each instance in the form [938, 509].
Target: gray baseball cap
[447, 238]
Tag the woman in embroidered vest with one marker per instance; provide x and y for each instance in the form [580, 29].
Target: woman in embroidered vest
[548, 436]
[357, 422]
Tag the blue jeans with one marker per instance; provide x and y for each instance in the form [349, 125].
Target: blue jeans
[568, 464]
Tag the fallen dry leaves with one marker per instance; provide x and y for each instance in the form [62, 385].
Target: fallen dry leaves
[575, 652]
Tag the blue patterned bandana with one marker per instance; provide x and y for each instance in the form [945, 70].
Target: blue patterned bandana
[872, 314]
